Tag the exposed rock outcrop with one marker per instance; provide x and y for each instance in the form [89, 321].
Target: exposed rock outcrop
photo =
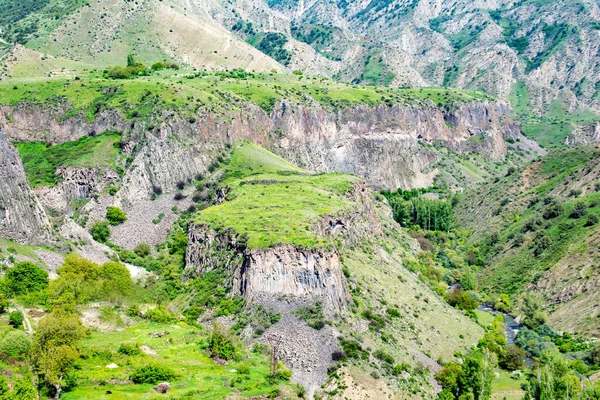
[380, 143]
[263, 275]
[22, 218]
[584, 135]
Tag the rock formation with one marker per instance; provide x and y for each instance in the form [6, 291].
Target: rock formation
[22, 218]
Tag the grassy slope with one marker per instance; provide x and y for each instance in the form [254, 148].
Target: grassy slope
[199, 377]
[505, 207]
[40, 162]
[189, 91]
[551, 129]
[274, 202]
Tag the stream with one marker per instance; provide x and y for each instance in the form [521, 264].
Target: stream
[512, 327]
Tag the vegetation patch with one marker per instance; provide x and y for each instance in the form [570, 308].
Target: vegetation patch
[41, 161]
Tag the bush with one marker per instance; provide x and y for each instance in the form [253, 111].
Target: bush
[579, 210]
[383, 356]
[115, 215]
[152, 374]
[3, 304]
[25, 277]
[142, 250]
[592, 220]
[462, 300]
[100, 231]
[221, 344]
[129, 350]
[16, 318]
[159, 314]
[312, 315]
[16, 344]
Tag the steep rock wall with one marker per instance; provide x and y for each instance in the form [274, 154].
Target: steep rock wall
[22, 218]
[263, 275]
[380, 143]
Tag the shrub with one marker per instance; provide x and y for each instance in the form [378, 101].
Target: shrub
[100, 231]
[129, 350]
[394, 313]
[592, 220]
[113, 190]
[383, 356]
[115, 215]
[553, 211]
[142, 250]
[462, 300]
[353, 349]
[158, 314]
[15, 318]
[16, 344]
[3, 304]
[152, 374]
[178, 196]
[312, 315]
[579, 210]
[221, 344]
[26, 277]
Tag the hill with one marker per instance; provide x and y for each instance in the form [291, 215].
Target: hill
[538, 227]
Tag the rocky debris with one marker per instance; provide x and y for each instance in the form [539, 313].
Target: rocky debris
[148, 350]
[22, 217]
[162, 387]
[159, 334]
[306, 351]
[51, 259]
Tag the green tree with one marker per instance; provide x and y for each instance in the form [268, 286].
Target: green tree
[531, 308]
[513, 358]
[16, 318]
[478, 374]
[142, 250]
[15, 344]
[115, 215]
[54, 349]
[25, 277]
[117, 283]
[100, 231]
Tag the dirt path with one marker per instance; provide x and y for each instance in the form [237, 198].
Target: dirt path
[26, 323]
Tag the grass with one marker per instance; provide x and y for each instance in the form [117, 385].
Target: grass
[506, 387]
[273, 202]
[512, 267]
[41, 161]
[198, 376]
[551, 129]
[190, 92]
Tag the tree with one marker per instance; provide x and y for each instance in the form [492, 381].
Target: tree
[531, 308]
[117, 283]
[142, 250]
[462, 300]
[115, 215]
[54, 349]
[478, 374]
[15, 344]
[513, 358]
[100, 231]
[15, 318]
[25, 277]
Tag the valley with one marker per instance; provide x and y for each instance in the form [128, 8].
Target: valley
[299, 199]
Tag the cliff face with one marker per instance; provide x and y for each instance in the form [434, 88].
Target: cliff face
[262, 276]
[22, 218]
[380, 143]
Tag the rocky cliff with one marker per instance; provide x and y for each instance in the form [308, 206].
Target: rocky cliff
[380, 143]
[262, 276]
[22, 218]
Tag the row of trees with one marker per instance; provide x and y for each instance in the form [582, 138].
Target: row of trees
[136, 68]
[429, 214]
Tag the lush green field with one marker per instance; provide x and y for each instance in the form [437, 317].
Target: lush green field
[41, 161]
[198, 376]
[273, 202]
[189, 91]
